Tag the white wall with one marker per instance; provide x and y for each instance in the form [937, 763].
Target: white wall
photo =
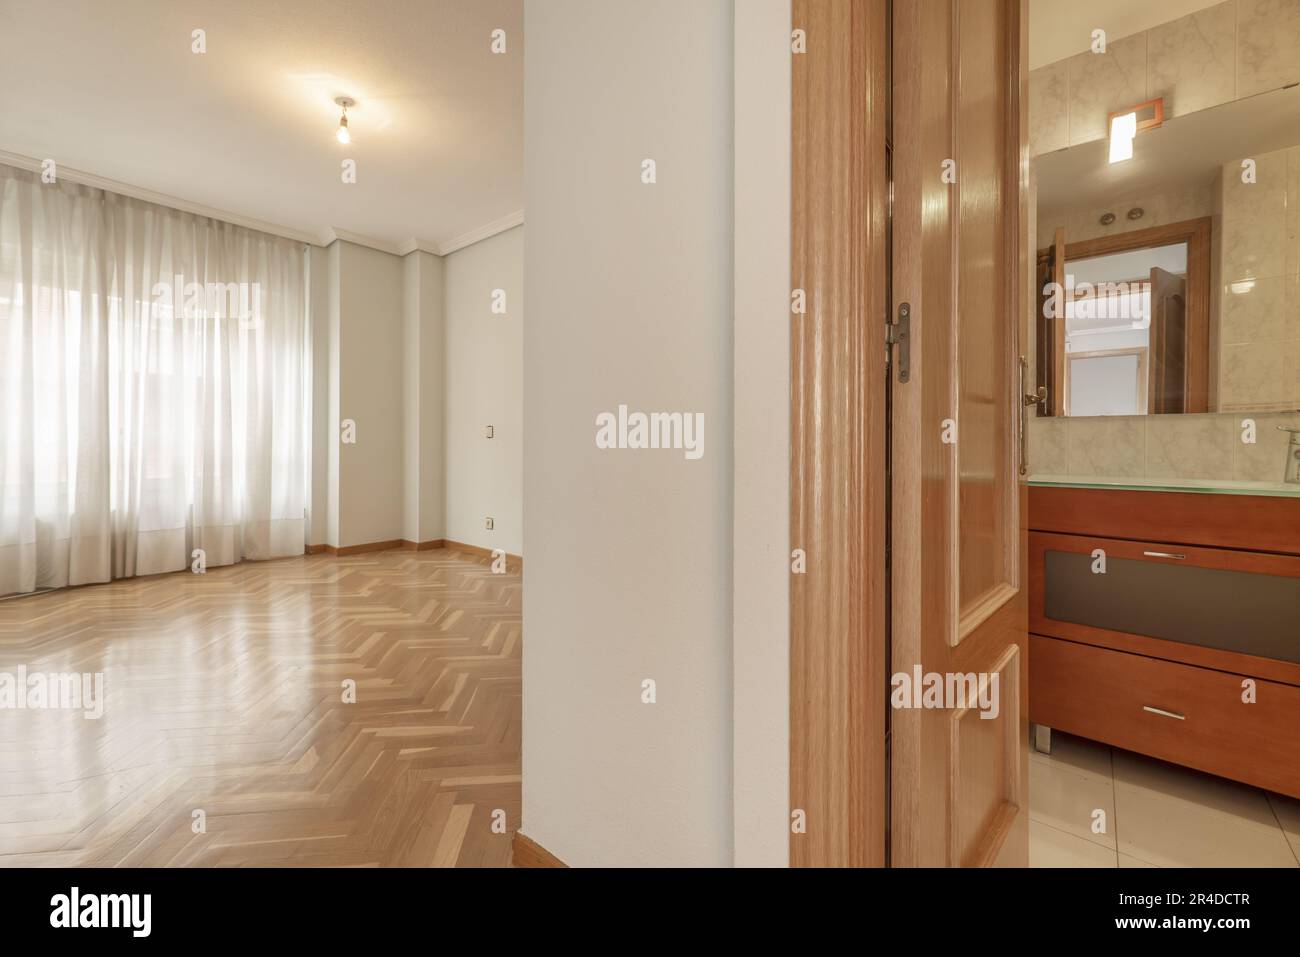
[423, 440]
[331, 413]
[319, 301]
[761, 610]
[370, 474]
[629, 291]
[483, 376]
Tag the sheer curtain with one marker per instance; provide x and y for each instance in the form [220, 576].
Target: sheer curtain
[153, 388]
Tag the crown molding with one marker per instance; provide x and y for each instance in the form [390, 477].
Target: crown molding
[323, 238]
[162, 199]
[483, 232]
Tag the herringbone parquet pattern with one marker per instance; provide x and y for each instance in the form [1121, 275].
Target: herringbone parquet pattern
[223, 693]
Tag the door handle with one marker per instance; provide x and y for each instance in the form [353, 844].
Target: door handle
[1026, 399]
[1164, 555]
[1163, 713]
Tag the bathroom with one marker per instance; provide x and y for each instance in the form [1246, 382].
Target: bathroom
[1163, 439]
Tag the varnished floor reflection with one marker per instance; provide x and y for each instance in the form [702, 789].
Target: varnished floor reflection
[226, 739]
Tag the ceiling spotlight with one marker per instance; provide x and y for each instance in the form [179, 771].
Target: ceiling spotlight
[343, 136]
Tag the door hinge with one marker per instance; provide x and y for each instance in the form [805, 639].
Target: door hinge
[898, 333]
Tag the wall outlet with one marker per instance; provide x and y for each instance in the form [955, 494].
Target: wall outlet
[490, 432]
[489, 523]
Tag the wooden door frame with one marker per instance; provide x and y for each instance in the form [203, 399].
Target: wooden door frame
[838, 460]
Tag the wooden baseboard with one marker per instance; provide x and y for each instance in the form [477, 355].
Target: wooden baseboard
[528, 853]
[343, 550]
[513, 562]
[411, 546]
[402, 543]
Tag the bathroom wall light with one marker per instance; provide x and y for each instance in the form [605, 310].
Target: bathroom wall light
[1125, 124]
[1122, 130]
[342, 135]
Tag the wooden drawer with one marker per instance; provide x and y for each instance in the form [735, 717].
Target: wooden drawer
[1107, 695]
[1210, 607]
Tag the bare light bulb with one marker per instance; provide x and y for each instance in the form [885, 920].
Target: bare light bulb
[342, 134]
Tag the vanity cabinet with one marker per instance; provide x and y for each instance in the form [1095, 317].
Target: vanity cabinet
[1168, 623]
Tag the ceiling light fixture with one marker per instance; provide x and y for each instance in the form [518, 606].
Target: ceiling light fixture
[343, 136]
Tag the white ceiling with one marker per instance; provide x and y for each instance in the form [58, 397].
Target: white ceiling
[1062, 28]
[113, 89]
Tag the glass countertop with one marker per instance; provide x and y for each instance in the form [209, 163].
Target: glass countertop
[1204, 486]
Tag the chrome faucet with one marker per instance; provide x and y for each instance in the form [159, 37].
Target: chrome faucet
[1292, 473]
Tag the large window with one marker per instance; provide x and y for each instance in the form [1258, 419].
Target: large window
[153, 388]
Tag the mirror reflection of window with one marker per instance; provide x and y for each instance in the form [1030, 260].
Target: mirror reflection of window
[1111, 321]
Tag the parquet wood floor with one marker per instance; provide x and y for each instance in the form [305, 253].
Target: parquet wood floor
[223, 693]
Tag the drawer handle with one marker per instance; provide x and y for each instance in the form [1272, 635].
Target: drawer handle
[1164, 555]
[1163, 713]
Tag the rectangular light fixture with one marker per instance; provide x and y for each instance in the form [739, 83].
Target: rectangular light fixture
[1128, 123]
[1122, 130]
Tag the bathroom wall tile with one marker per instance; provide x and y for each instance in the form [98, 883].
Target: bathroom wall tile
[1103, 82]
[1291, 371]
[1293, 211]
[1255, 218]
[1254, 310]
[1192, 61]
[1048, 445]
[1189, 446]
[1252, 377]
[1049, 108]
[1264, 461]
[1291, 306]
[1268, 45]
[1112, 446]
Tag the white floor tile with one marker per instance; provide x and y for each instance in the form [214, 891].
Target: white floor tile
[1176, 817]
[1288, 814]
[1049, 847]
[1076, 754]
[1069, 800]
[1128, 860]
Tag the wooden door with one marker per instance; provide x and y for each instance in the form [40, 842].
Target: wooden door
[958, 597]
[1167, 367]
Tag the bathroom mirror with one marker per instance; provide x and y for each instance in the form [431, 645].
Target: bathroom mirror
[1168, 238]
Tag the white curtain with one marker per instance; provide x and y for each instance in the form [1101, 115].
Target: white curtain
[154, 386]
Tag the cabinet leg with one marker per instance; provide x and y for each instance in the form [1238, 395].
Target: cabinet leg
[1042, 739]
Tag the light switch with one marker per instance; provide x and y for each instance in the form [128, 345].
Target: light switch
[489, 522]
[489, 432]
